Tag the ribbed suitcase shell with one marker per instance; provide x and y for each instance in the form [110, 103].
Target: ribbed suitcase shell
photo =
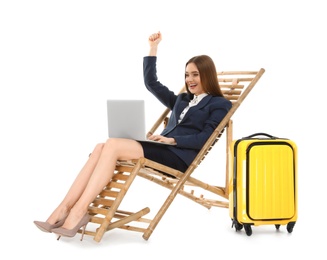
[263, 182]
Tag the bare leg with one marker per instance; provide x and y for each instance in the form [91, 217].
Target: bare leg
[77, 187]
[92, 184]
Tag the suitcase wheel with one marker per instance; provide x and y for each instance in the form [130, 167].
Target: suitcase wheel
[277, 226]
[238, 226]
[248, 229]
[290, 227]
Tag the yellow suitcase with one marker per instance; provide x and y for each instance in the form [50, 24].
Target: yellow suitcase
[263, 182]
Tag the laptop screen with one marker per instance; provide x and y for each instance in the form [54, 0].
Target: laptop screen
[126, 119]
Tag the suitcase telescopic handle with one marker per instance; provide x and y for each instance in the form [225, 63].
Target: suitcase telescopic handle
[264, 134]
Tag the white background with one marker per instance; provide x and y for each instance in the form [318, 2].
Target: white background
[61, 60]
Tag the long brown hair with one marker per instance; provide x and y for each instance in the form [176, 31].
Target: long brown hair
[208, 74]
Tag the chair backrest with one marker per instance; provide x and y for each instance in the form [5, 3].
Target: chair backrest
[235, 85]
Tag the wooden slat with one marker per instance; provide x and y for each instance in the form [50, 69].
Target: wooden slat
[221, 73]
[232, 91]
[120, 176]
[109, 193]
[104, 201]
[98, 210]
[116, 185]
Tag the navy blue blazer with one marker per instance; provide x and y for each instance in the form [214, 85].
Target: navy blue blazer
[198, 123]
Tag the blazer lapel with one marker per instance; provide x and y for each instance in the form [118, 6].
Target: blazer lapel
[202, 103]
[180, 108]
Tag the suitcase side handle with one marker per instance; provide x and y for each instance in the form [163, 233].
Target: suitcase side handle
[264, 134]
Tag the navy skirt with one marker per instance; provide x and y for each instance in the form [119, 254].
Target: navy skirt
[161, 154]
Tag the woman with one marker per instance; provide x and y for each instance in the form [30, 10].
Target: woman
[194, 117]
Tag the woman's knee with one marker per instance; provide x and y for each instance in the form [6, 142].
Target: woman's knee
[98, 148]
[124, 148]
[113, 142]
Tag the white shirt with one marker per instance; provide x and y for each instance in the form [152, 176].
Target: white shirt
[192, 103]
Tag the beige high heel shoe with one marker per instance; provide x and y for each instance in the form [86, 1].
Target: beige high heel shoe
[72, 232]
[46, 227]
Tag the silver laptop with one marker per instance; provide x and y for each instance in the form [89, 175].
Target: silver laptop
[126, 119]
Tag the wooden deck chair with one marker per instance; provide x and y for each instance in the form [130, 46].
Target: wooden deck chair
[105, 211]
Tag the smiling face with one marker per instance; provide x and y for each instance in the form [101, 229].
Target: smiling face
[193, 80]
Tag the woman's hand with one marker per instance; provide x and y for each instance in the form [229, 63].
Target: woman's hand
[162, 139]
[154, 40]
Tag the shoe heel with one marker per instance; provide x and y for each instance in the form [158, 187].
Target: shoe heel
[82, 234]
